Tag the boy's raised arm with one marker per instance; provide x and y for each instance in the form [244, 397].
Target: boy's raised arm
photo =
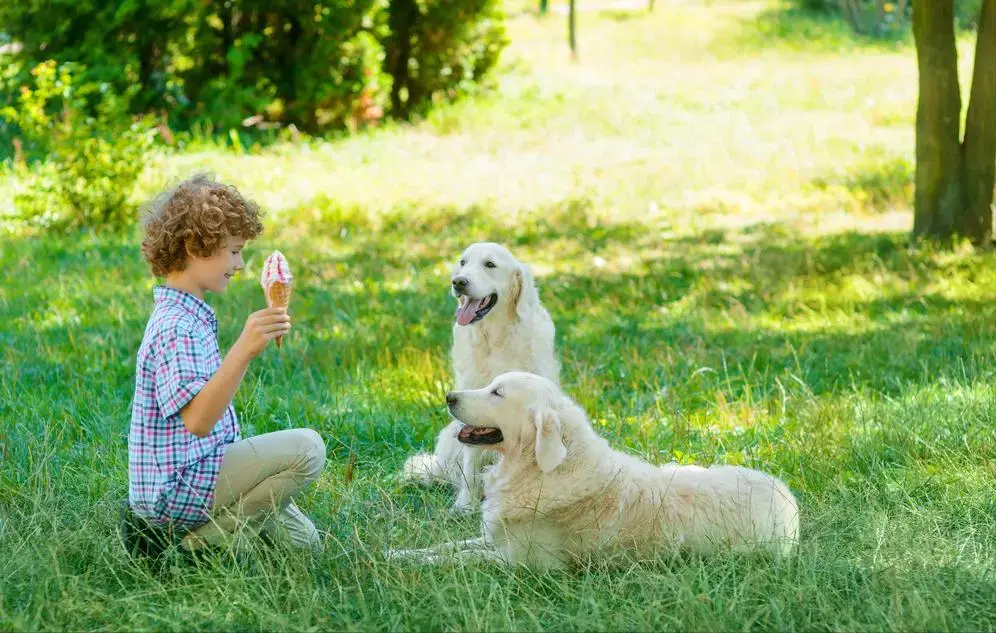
[206, 408]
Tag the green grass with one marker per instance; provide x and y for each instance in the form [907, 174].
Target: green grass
[719, 231]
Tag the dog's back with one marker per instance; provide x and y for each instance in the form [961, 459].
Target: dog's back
[727, 506]
[606, 504]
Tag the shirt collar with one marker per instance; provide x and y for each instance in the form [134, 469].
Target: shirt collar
[197, 307]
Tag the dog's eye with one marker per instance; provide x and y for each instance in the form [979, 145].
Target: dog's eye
[489, 265]
[495, 392]
[463, 262]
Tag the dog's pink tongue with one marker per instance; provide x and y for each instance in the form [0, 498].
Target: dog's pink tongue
[465, 314]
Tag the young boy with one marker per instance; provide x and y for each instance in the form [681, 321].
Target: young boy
[190, 473]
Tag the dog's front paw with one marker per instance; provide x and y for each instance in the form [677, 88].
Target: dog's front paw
[411, 555]
[403, 554]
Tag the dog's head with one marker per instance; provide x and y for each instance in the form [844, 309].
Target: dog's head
[487, 277]
[518, 414]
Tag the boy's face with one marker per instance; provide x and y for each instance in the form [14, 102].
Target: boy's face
[213, 273]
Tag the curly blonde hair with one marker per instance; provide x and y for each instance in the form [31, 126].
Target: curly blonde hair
[196, 217]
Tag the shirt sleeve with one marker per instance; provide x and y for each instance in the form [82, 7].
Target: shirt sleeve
[180, 370]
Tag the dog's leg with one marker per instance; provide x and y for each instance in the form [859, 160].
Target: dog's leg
[471, 484]
[449, 453]
[479, 543]
[468, 556]
[475, 549]
[410, 554]
[455, 547]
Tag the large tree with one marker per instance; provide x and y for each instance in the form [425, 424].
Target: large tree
[954, 174]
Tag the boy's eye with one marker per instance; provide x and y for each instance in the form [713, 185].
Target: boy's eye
[489, 265]
[495, 392]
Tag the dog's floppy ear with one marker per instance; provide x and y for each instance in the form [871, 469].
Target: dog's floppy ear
[523, 296]
[550, 449]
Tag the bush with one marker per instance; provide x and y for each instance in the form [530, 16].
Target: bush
[881, 17]
[91, 161]
[440, 48]
[297, 61]
[319, 65]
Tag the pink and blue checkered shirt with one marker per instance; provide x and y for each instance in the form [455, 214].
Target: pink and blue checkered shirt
[172, 473]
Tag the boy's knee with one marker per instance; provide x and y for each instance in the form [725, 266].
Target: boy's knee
[312, 454]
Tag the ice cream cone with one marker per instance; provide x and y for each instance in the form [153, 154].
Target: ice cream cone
[276, 282]
[278, 296]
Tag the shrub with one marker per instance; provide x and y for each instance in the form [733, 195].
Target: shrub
[295, 61]
[91, 160]
[440, 49]
[317, 64]
[880, 17]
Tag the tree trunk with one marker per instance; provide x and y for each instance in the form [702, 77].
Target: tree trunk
[901, 11]
[289, 65]
[980, 133]
[227, 41]
[572, 30]
[401, 19]
[852, 13]
[939, 198]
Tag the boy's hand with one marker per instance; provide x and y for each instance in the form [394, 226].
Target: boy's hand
[208, 406]
[261, 328]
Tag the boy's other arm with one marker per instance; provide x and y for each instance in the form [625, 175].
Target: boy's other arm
[208, 406]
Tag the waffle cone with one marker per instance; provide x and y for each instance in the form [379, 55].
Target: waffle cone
[278, 295]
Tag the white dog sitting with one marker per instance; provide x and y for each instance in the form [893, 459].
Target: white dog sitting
[559, 494]
[500, 326]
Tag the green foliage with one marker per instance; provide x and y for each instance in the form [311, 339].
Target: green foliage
[884, 17]
[439, 49]
[299, 62]
[877, 182]
[967, 13]
[319, 65]
[121, 43]
[91, 160]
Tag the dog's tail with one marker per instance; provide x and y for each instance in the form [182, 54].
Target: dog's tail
[422, 468]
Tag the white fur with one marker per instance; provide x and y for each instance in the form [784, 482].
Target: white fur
[559, 494]
[517, 335]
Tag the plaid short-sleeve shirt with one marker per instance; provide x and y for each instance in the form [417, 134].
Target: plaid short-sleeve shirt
[172, 473]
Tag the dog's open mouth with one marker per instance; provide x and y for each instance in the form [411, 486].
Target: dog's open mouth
[479, 435]
[473, 310]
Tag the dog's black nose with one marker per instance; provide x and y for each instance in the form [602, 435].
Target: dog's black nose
[460, 283]
[451, 399]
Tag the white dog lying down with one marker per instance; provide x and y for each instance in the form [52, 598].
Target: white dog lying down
[559, 494]
[500, 326]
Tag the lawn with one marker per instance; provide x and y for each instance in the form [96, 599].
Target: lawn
[716, 203]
